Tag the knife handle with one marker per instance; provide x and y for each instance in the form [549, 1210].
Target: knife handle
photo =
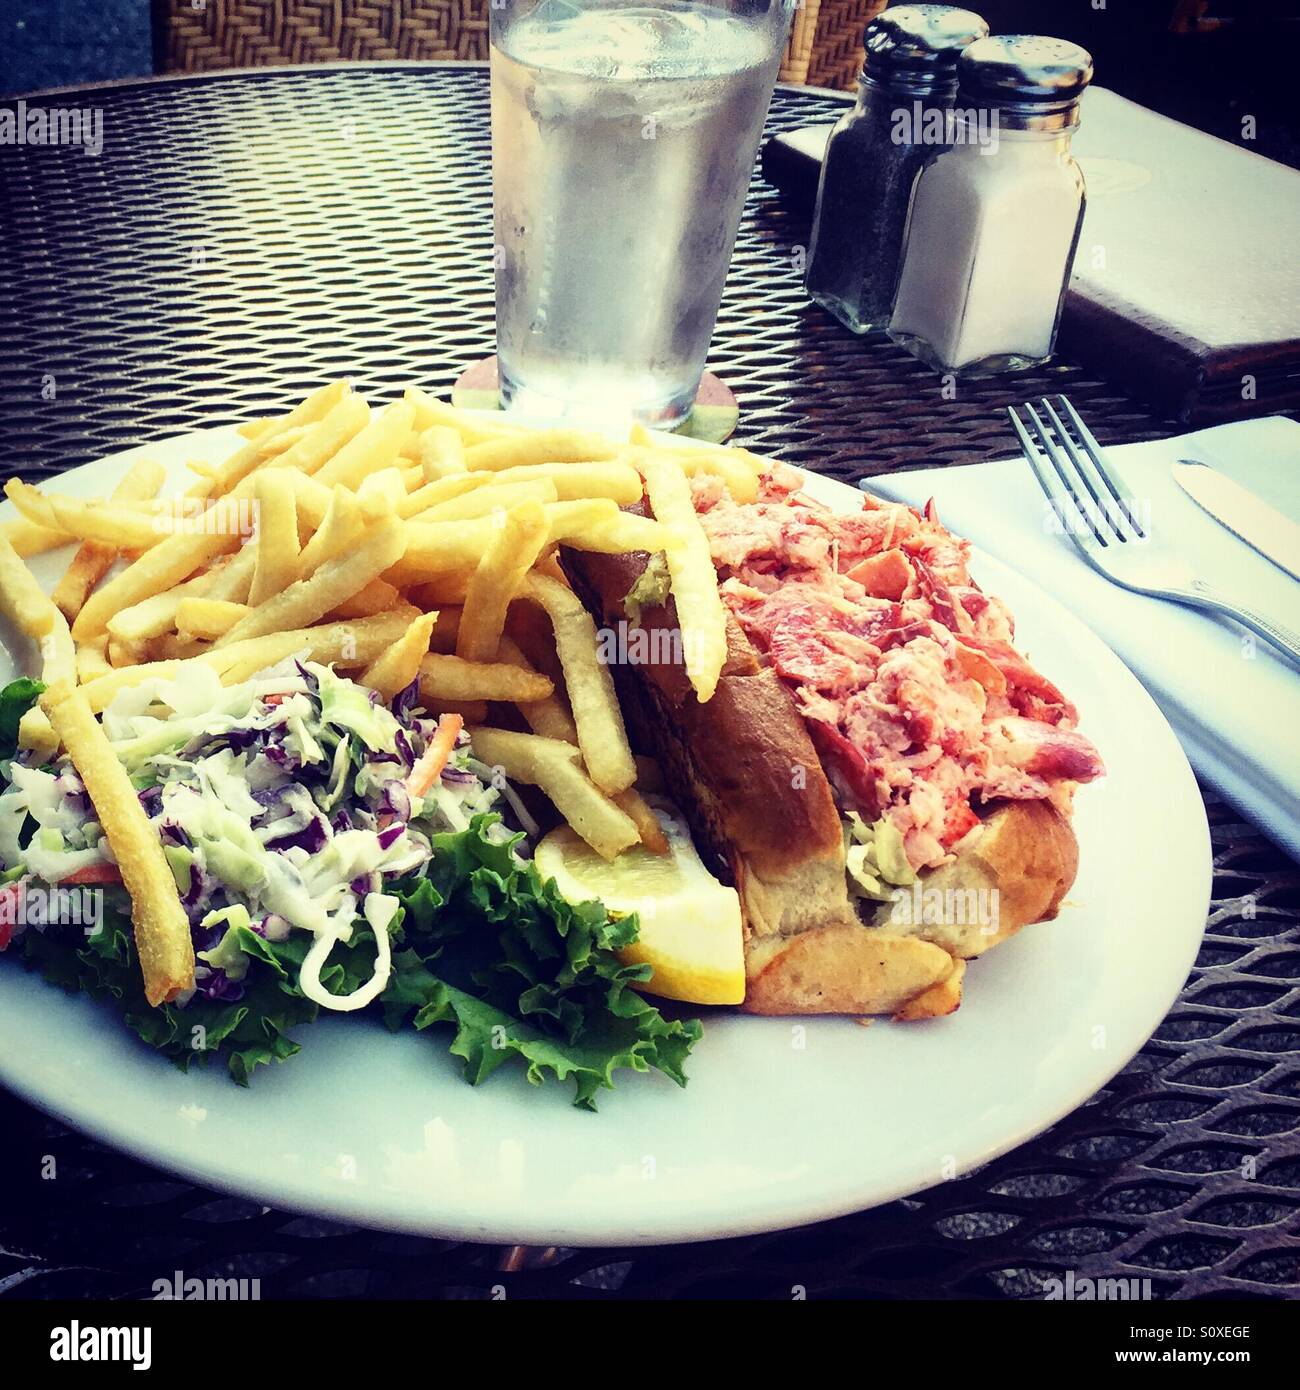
[1283, 638]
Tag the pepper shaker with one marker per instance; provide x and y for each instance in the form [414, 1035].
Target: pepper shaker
[995, 218]
[901, 118]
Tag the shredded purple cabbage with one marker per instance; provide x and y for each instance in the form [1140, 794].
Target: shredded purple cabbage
[404, 702]
[194, 893]
[282, 758]
[397, 799]
[217, 985]
[313, 837]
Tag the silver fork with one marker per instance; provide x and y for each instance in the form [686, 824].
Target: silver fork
[1108, 529]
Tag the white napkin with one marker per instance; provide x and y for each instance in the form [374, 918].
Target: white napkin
[1231, 699]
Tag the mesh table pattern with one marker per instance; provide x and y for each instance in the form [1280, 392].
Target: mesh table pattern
[244, 237]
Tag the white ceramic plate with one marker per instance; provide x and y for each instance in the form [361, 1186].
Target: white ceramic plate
[784, 1121]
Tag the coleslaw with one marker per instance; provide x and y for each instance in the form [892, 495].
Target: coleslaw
[309, 847]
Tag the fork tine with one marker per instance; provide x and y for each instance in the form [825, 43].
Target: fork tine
[1104, 510]
[1058, 499]
[1084, 507]
[1127, 503]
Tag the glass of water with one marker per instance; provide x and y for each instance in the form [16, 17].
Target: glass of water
[624, 134]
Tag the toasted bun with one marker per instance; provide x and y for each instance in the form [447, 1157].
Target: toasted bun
[742, 766]
[1019, 862]
[744, 770]
[840, 970]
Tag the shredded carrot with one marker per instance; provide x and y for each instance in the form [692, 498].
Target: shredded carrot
[434, 758]
[95, 873]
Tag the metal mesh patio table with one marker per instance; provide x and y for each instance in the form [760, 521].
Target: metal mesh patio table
[246, 236]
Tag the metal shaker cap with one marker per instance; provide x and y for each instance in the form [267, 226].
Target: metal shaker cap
[917, 46]
[1035, 82]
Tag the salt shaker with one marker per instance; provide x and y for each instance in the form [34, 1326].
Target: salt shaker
[905, 91]
[995, 218]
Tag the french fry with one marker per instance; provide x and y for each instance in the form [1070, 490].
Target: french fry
[549, 717]
[569, 519]
[740, 479]
[311, 499]
[276, 563]
[162, 930]
[700, 614]
[175, 646]
[440, 591]
[381, 493]
[441, 453]
[36, 734]
[643, 817]
[440, 547]
[27, 538]
[641, 438]
[506, 560]
[207, 618]
[613, 533]
[473, 429]
[619, 482]
[590, 688]
[251, 454]
[92, 660]
[124, 653]
[153, 616]
[232, 581]
[250, 429]
[101, 689]
[391, 673]
[350, 644]
[486, 501]
[377, 446]
[377, 597]
[556, 768]
[165, 565]
[347, 644]
[323, 439]
[303, 602]
[278, 443]
[90, 519]
[441, 490]
[22, 600]
[452, 678]
[94, 559]
[540, 446]
[339, 530]
[731, 465]
[26, 605]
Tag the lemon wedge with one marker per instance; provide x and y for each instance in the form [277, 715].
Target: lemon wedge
[690, 927]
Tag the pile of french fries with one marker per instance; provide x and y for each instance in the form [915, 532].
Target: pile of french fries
[410, 542]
